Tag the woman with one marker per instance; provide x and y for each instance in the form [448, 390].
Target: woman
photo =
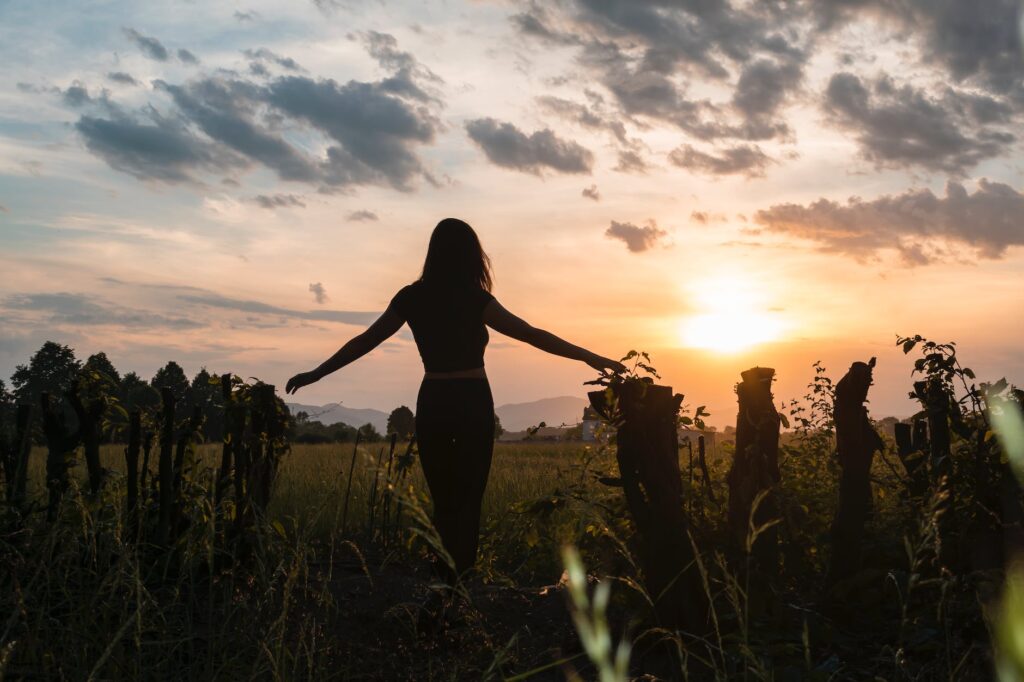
[447, 309]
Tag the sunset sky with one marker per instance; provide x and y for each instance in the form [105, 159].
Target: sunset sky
[244, 185]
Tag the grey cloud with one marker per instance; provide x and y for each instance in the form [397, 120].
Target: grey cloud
[977, 42]
[230, 124]
[122, 78]
[588, 117]
[224, 111]
[187, 57]
[636, 238]
[151, 47]
[507, 146]
[645, 53]
[273, 201]
[362, 215]
[264, 55]
[591, 193]
[160, 149]
[249, 15]
[81, 310]
[76, 95]
[319, 292]
[631, 162]
[375, 129]
[903, 126]
[342, 316]
[409, 73]
[746, 160]
[915, 223]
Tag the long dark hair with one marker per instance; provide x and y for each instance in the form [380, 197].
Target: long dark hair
[455, 256]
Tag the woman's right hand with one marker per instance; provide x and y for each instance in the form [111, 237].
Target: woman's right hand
[299, 380]
[601, 363]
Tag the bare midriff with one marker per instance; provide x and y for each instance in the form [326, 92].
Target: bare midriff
[477, 373]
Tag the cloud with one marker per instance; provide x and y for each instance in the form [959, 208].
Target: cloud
[591, 193]
[369, 131]
[122, 78]
[376, 130]
[264, 55]
[319, 293]
[746, 160]
[409, 74]
[903, 126]
[159, 148]
[631, 162]
[249, 15]
[647, 55]
[151, 47]
[507, 146]
[274, 201]
[246, 306]
[186, 57]
[918, 224]
[362, 215]
[978, 42]
[586, 116]
[80, 310]
[637, 239]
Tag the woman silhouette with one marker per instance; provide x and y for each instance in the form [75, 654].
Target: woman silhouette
[447, 309]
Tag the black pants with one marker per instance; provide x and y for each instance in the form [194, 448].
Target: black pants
[455, 432]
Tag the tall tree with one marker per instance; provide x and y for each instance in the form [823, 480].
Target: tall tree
[368, 433]
[99, 362]
[6, 403]
[137, 394]
[498, 428]
[53, 369]
[172, 376]
[205, 391]
[401, 421]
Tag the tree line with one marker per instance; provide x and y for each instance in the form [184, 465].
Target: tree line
[55, 369]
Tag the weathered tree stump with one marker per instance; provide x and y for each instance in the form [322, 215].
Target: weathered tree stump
[648, 459]
[856, 441]
[755, 470]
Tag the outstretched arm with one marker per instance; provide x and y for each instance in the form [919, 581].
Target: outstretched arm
[385, 325]
[499, 319]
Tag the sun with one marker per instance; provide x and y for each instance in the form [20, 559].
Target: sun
[733, 314]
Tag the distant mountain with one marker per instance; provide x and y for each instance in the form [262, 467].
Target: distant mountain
[336, 412]
[564, 409]
[514, 416]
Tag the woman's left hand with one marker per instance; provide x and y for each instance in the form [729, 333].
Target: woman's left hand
[601, 363]
[299, 380]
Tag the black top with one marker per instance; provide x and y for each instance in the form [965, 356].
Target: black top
[447, 323]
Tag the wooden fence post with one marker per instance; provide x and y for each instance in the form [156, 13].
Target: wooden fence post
[755, 467]
[15, 457]
[911, 446]
[166, 468]
[648, 458]
[225, 457]
[131, 456]
[60, 446]
[856, 441]
[89, 432]
[936, 402]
